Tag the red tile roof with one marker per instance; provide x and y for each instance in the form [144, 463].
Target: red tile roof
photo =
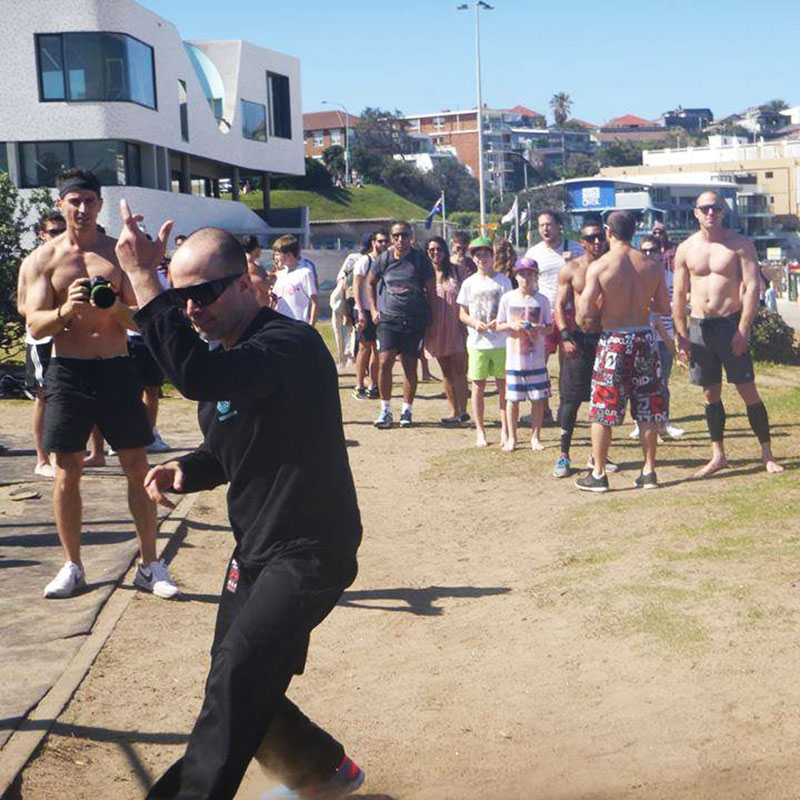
[321, 120]
[629, 120]
[523, 111]
[588, 125]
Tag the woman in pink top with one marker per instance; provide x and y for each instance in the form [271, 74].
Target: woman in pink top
[446, 339]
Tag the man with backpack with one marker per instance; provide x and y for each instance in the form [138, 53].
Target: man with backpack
[401, 293]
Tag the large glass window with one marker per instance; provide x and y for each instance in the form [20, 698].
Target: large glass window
[115, 163]
[280, 111]
[184, 110]
[96, 67]
[254, 121]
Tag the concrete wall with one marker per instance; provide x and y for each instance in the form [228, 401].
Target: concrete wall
[242, 66]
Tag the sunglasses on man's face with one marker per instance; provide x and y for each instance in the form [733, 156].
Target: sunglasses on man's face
[649, 251]
[203, 294]
[707, 209]
[401, 235]
[594, 237]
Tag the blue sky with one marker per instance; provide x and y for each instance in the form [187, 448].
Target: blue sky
[612, 57]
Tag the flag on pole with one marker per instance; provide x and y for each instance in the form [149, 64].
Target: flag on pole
[512, 212]
[437, 209]
[523, 217]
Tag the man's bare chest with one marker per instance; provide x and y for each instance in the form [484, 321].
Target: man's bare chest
[84, 265]
[713, 260]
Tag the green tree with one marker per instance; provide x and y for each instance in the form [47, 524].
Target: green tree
[18, 223]
[333, 159]
[461, 189]
[775, 105]
[317, 178]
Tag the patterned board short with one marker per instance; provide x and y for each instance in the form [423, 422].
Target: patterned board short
[627, 367]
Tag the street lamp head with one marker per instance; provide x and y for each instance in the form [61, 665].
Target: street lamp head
[485, 5]
[462, 7]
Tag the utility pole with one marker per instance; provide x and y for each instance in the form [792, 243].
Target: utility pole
[479, 4]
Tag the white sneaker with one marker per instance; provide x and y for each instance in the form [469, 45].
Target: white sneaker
[155, 578]
[158, 445]
[70, 578]
[611, 466]
[634, 434]
[672, 431]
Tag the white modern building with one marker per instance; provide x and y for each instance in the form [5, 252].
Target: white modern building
[110, 86]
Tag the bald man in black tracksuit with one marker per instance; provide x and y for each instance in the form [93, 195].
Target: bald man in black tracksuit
[271, 420]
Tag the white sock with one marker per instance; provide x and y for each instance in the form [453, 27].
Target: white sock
[406, 407]
[386, 405]
[596, 474]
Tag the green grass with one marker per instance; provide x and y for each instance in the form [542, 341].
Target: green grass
[370, 202]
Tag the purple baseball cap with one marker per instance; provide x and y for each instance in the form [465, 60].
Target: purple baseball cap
[526, 263]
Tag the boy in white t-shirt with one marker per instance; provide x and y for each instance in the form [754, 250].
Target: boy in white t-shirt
[525, 314]
[479, 301]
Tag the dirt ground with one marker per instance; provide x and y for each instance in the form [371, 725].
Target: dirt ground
[507, 636]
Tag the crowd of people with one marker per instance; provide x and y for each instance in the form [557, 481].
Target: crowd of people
[606, 310]
[240, 340]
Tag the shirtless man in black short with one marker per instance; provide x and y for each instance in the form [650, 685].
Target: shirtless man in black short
[622, 288]
[91, 379]
[579, 346]
[717, 270]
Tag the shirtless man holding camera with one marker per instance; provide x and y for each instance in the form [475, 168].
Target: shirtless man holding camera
[717, 270]
[91, 379]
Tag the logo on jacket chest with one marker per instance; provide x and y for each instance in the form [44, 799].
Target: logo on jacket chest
[224, 410]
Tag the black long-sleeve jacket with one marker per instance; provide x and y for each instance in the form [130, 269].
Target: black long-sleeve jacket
[272, 424]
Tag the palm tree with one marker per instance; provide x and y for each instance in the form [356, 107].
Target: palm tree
[561, 105]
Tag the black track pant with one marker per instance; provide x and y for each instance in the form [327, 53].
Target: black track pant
[263, 625]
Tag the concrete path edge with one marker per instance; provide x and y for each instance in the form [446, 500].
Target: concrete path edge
[30, 733]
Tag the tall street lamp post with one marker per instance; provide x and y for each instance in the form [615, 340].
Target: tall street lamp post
[478, 5]
[346, 137]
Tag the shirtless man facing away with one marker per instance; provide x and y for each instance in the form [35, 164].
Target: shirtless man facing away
[579, 346]
[622, 288]
[91, 379]
[717, 270]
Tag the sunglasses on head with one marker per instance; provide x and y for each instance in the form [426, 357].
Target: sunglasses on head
[203, 294]
[594, 237]
[706, 209]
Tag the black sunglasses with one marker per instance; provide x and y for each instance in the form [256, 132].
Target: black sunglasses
[595, 237]
[203, 294]
[401, 235]
[716, 206]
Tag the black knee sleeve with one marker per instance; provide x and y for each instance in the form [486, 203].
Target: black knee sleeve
[759, 422]
[715, 419]
[567, 414]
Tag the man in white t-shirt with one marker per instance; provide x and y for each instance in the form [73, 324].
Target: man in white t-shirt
[366, 331]
[479, 301]
[295, 287]
[551, 253]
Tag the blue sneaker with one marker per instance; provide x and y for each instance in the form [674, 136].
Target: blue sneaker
[405, 419]
[342, 783]
[385, 420]
[562, 468]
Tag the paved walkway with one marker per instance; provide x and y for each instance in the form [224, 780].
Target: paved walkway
[790, 311]
[39, 637]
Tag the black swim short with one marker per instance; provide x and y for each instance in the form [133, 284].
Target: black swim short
[370, 332]
[710, 341]
[404, 336]
[37, 357]
[575, 379]
[83, 392]
[150, 373]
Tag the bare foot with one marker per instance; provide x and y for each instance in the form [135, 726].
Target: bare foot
[715, 465]
[44, 470]
[509, 445]
[480, 439]
[536, 445]
[772, 466]
[94, 461]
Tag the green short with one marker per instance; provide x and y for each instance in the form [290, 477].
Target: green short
[483, 364]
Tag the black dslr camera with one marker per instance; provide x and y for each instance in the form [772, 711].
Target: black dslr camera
[100, 293]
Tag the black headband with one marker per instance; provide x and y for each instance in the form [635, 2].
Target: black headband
[78, 183]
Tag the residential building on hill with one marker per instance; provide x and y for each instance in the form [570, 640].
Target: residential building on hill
[112, 87]
[324, 129]
[692, 120]
[630, 128]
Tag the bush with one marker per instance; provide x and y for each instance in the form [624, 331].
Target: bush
[316, 179]
[771, 339]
